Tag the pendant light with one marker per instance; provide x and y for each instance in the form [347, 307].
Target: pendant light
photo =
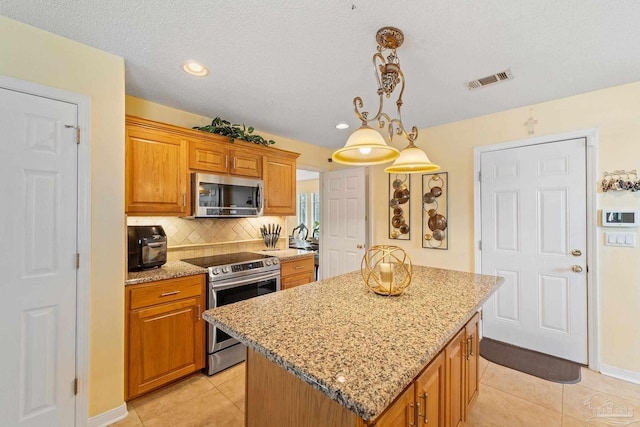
[367, 146]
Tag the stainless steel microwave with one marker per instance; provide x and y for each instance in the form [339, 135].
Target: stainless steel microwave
[219, 196]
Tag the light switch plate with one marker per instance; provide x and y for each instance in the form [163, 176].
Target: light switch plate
[620, 239]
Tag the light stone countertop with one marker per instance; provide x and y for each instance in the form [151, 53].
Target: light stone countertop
[359, 348]
[287, 254]
[171, 270]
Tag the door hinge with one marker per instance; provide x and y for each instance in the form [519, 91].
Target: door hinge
[77, 128]
[77, 260]
[75, 387]
[480, 176]
[479, 245]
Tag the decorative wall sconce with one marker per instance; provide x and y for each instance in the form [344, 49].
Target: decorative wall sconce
[366, 146]
[400, 206]
[435, 233]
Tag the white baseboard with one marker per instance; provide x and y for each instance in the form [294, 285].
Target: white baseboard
[623, 374]
[107, 418]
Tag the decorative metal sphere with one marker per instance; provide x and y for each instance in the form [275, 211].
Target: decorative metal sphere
[386, 269]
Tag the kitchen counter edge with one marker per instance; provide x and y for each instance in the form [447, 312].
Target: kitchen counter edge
[171, 270]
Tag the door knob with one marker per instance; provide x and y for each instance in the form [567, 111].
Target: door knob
[576, 252]
[576, 268]
[359, 246]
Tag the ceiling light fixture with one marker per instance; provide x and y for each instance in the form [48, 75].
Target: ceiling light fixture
[195, 69]
[342, 125]
[367, 146]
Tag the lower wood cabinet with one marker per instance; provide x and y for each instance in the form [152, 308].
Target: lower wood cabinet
[164, 332]
[297, 271]
[462, 374]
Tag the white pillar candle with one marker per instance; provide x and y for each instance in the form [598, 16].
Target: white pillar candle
[386, 275]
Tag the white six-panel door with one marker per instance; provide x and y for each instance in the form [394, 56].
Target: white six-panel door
[533, 202]
[344, 226]
[38, 171]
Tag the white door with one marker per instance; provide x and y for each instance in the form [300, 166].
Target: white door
[38, 219]
[344, 225]
[533, 234]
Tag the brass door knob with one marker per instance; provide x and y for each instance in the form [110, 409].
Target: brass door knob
[576, 252]
[576, 268]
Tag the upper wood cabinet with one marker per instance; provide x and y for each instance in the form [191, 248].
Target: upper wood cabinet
[160, 157]
[212, 157]
[279, 175]
[156, 172]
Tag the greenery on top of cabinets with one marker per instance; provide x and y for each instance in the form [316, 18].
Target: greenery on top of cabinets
[234, 131]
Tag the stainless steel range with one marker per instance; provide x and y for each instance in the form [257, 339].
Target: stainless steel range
[232, 278]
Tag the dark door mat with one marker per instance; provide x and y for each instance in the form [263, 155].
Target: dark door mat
[530, 362]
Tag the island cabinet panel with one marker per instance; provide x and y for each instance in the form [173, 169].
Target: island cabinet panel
[156, 173]
[430, 394]
[279, 174]
[276, 398]
[401, 413]
[164, 332]
[296, 272]
[472, 375]
[455, 381]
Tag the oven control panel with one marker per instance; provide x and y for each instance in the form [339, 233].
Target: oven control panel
[247, 266]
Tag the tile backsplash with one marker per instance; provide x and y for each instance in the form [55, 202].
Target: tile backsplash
[188, 238]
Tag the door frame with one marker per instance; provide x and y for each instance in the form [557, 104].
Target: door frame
[593, 304]
[83, 278]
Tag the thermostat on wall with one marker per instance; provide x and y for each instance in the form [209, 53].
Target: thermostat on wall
[620, 218]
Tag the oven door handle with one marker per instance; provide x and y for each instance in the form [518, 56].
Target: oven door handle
[243, 281]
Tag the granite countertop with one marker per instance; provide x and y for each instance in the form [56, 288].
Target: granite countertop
[359, 348]
[287, 254]
[170, 270]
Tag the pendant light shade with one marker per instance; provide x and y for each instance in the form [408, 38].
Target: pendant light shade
[412, 160]
[365, 146]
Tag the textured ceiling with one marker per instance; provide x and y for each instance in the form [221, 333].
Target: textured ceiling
[293, 67]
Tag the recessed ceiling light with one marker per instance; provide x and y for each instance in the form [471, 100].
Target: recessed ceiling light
[342, 126]
[195, 69]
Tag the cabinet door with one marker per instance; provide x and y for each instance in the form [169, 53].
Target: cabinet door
[430, 394]
[245, 163]
[166, 342]
[156, 172]
[292, 281]
[279, 174]
[455, 381]
[401, 413]
[207, 156]
[472, 358]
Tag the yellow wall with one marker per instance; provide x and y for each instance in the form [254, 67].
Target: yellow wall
[311, 156]
[34, 55]
[615, 113]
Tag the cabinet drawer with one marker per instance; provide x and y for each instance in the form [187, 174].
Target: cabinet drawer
[292, 281]
[166, 291]
[297, 266]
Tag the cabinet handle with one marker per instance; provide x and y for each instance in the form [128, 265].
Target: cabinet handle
[298, 267]
[471, 347]
[199, 312]
[166, 294]
[234, 162]
[425, 396]
[184, 199]
[226, 161]
[411, 421]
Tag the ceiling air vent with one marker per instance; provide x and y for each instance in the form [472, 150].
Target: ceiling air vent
[489, 80]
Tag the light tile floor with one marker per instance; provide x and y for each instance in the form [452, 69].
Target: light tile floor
[507, 398]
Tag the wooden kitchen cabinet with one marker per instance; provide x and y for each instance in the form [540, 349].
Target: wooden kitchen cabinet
[430, 394]
[216, 158]
[401, 413]
[164, 332]
[279, 175]
[462, 374]
[156, 173]
[297, 271]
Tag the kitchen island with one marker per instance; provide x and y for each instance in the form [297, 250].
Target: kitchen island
[346, 352]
